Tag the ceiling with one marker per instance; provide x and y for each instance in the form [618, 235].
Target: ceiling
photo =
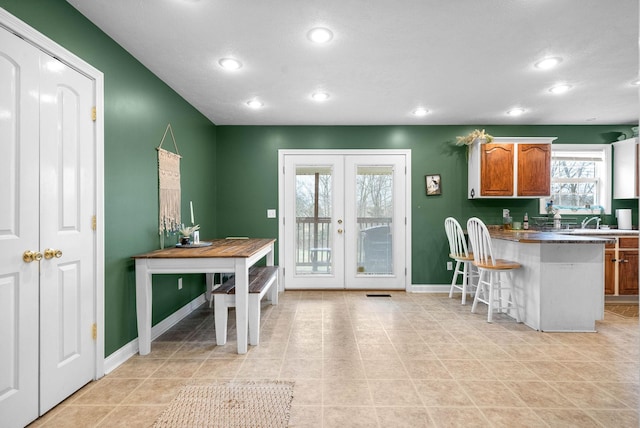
[466, 61]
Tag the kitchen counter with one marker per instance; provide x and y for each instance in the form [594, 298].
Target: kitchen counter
[560, 286]
[532, 236]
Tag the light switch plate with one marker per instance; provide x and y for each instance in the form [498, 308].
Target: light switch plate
[271, 213]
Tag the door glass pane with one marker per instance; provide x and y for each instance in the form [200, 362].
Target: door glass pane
[313, 220]
[374, 208]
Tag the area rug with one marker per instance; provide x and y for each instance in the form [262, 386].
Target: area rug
[230, 404]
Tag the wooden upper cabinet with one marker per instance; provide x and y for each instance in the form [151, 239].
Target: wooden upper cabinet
[496, 169]
[510, 167]
[534, 169]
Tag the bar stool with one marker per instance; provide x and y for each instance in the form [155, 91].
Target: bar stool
[491, 288]
[459, 252]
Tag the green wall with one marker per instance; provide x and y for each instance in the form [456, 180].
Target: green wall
[230, 172]
[137, 108]
[248, 159]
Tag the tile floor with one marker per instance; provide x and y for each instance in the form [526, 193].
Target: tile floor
[412, 360]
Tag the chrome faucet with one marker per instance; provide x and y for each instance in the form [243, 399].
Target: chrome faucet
[586, 221]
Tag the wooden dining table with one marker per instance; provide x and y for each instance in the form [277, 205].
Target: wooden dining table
[234, 256]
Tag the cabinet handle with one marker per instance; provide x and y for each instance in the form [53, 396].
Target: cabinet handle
[624, 261]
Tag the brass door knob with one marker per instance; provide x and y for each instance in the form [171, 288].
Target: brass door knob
[31, 256]
[339, 230]
[50, 253]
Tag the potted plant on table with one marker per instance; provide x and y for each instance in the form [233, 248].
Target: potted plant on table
[186, 233]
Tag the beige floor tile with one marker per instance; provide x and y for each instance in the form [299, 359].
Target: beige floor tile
[110, 391]
[427, 369]
[346, 392]
[343, 368]
[616, 418]
[131, 417]
[588, 395]
[628, 393]
[352, 417]
[137, 367]
[438, 393]
[218, 368]
[538, 394]
[510, 370]
[451, 351]
[306, 392]
[305, 416]
[403, 417]
[566, 418]
[303, 349]
[468, 370]
[452, 417]
[301, 368]
[156, 391]
[193, 350]
[74, 416]
[384, 369]
[178, 368]
[552, 371]
[377, 351]
[394, 393]
[504, 417]
[414, 351]
[260, 368]
[491, 394]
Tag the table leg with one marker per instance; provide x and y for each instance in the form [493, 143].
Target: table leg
[242, 303]
[143, 306]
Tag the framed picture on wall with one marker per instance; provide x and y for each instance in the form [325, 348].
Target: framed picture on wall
[433, 184]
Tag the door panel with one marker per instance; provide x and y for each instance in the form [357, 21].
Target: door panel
[344, 221]
[67, 205]
[19, 177]
[315, 207]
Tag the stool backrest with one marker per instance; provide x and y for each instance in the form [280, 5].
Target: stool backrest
[455, 235]
[480, 241]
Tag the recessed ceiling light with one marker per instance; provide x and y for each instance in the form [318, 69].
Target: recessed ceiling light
[255, 104]
[547, 63]
[515, 111]
[560, 89]
[636, 82]
[320, 96]
[230, 63]
[420, 111]
[320, 35]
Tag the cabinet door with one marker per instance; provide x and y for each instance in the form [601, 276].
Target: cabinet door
[534, 169]
[496, 169]
[628, 272]
[610, 271]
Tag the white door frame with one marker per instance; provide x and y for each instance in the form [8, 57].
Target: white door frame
[281, 203]
[29, 34]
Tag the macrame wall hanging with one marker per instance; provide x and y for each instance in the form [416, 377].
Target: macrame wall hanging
[169, 186]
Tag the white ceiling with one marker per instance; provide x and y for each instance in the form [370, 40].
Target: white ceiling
[466, 61]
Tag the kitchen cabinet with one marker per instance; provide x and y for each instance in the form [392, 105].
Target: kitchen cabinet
[510, 167]
[625, 169]
[621, 267]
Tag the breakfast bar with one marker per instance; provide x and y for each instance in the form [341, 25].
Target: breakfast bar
[560, 287]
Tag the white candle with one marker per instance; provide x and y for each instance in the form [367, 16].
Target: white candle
[191, 204]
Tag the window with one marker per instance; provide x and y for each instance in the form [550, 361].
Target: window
[580, 179]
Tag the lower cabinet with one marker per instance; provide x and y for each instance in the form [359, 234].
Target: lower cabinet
[621, 267]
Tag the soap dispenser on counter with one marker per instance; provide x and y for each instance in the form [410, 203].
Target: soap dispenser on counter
[557, 220]
[506, 219]
[525, 221]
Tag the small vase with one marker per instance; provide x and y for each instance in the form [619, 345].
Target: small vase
[185, 240]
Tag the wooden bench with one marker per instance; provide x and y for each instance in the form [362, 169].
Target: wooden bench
[262, 280]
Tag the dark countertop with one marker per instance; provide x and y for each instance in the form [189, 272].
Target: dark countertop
[535, 237]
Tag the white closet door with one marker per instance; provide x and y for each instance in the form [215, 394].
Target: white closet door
[19, 231]
[47, 182]
[67, 204]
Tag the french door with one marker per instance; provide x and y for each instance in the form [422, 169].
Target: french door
[343, 219]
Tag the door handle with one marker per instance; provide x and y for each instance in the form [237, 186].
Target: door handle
[50, 253]
[339, 230]
[31, 256]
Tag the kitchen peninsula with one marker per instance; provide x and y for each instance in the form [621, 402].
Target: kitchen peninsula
[561, 284]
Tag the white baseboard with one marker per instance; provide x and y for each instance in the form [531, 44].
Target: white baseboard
[428, 288]
[114, 360]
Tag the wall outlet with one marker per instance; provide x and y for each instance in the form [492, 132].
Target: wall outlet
[179, 283]
[449, 265]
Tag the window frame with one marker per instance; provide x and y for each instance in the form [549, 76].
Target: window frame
[604, 180]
